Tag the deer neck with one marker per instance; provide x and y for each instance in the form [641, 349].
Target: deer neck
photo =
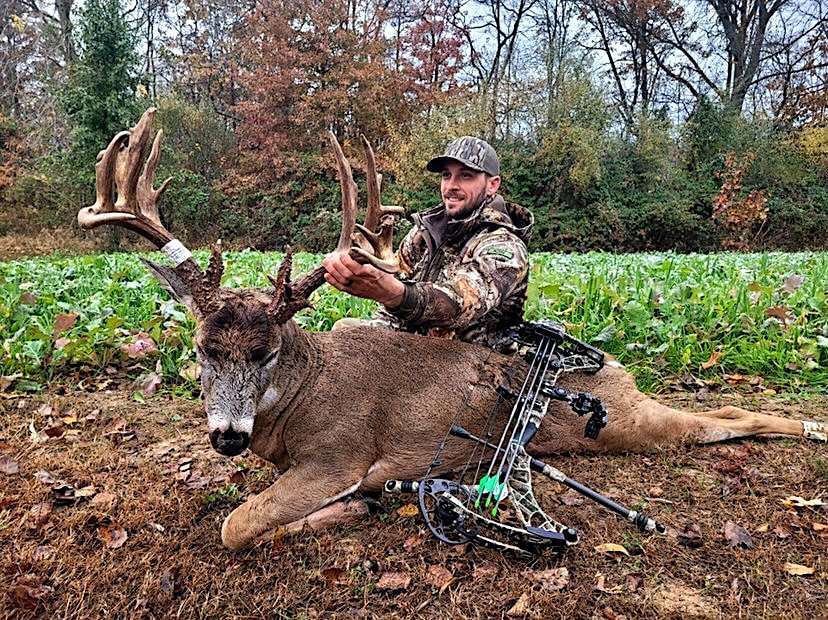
[300, 362]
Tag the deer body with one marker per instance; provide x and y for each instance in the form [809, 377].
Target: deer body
[331, 435]
[350, 409]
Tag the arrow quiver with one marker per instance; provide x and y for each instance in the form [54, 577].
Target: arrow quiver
[490, 501]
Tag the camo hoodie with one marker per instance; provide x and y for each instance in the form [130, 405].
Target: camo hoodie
[466, 278]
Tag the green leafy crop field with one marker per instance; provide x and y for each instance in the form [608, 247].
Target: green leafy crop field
[756, 319]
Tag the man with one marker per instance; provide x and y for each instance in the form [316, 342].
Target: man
[464, 264]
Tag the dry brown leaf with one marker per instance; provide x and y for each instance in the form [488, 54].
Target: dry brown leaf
[112, 536]
[413, 541]
[485, 570]
[28, 591]
[141, 346]
[551, 579]
[148, 384]
[408, 510]
[439, 577]
[819, 527]
[8, 465]
[791, 283]
[600, 585]
[781, 532]
[781, 314]
[334, 576]
[763, 528]
[104, 500]
[571, 498]
[63, 322]
[520, 608]
[797, 569]
[43, 552]
[609, 614]
[611, 548]
[711, 361]
[167, 582]
[794, 501]
[634, 581]
[190, 371]
[393, 581]
[737, 536]
[38, 515]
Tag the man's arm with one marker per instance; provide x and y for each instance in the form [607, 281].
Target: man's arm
[496, 267]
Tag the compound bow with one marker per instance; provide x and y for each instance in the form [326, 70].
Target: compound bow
[471, 508]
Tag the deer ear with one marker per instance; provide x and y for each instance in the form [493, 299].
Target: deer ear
[172, 283]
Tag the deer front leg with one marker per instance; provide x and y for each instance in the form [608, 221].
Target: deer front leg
[296, 495]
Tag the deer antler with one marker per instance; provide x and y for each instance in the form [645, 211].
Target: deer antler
[118, 173]
[368, 245]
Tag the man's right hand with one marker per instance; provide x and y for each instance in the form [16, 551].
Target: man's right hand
[366, 281]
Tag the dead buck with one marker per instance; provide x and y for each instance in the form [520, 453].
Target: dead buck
[348, 410]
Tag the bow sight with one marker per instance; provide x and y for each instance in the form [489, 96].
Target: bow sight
[498, 509]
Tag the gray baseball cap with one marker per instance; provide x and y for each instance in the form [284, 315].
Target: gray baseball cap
[472, 152]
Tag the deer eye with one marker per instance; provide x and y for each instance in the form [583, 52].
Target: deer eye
[259, 354]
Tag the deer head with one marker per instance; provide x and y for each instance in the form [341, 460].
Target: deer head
[240, 334]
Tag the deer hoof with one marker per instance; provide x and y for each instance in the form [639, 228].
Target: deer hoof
[814, 430]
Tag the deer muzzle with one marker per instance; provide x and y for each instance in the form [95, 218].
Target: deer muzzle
[229, 442]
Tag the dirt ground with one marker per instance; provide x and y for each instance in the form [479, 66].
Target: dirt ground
[112, 508]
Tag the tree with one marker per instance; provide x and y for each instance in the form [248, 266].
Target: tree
[100, 96]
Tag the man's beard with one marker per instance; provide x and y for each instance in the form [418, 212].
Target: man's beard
[468, 208]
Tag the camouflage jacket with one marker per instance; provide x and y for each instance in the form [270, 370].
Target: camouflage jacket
[464, 278]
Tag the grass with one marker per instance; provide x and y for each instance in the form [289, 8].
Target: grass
[722, 317]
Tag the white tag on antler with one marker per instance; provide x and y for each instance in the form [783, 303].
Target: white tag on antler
[176, 252]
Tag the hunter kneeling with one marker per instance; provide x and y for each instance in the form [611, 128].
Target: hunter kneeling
[463, 266]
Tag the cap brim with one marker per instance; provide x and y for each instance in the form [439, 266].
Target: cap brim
[439, 163]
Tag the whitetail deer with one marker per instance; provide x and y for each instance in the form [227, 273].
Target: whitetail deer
[350, 409]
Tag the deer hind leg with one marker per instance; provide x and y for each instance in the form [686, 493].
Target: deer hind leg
[733, 422]
[300, 496]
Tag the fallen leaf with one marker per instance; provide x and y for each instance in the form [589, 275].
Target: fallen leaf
[781, 532]
[27, 299]
[634, 581]
[408, 510]
[45, 477]
[655, 491]
[38, 515]
[521, 607]
[795, 501]
[485, 570]
[797, 569]
[610, 548]
[148, 384]
[711, 361]
[29, 591]
[737, 536]
[439, 577]
[8, 465]
[112, 536]
[167, 582]
[781, 314]
[609, 614]
[43, 552]
[104, 500]
[334, 576]
[413, 541]
[60, 343]
[819, 527]
[571, 498]
[791, 283]
[63, 322]
[141, 346]
[393, 581]
[551, 579]
[600, 585]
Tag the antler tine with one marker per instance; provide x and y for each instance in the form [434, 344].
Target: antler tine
[349, 195]
[376, 211]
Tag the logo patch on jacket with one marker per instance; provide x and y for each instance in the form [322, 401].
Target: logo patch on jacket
[499, 253]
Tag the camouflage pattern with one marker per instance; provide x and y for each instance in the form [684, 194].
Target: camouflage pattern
[467, 278]
[472, 152]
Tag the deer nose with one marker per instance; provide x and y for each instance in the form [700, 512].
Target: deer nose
[229, 442]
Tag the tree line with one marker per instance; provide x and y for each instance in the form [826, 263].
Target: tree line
[623, 124]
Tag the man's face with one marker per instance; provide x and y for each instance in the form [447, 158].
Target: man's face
[464, 189]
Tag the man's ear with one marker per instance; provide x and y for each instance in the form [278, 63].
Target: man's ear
[172, 283]
[492, 185]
